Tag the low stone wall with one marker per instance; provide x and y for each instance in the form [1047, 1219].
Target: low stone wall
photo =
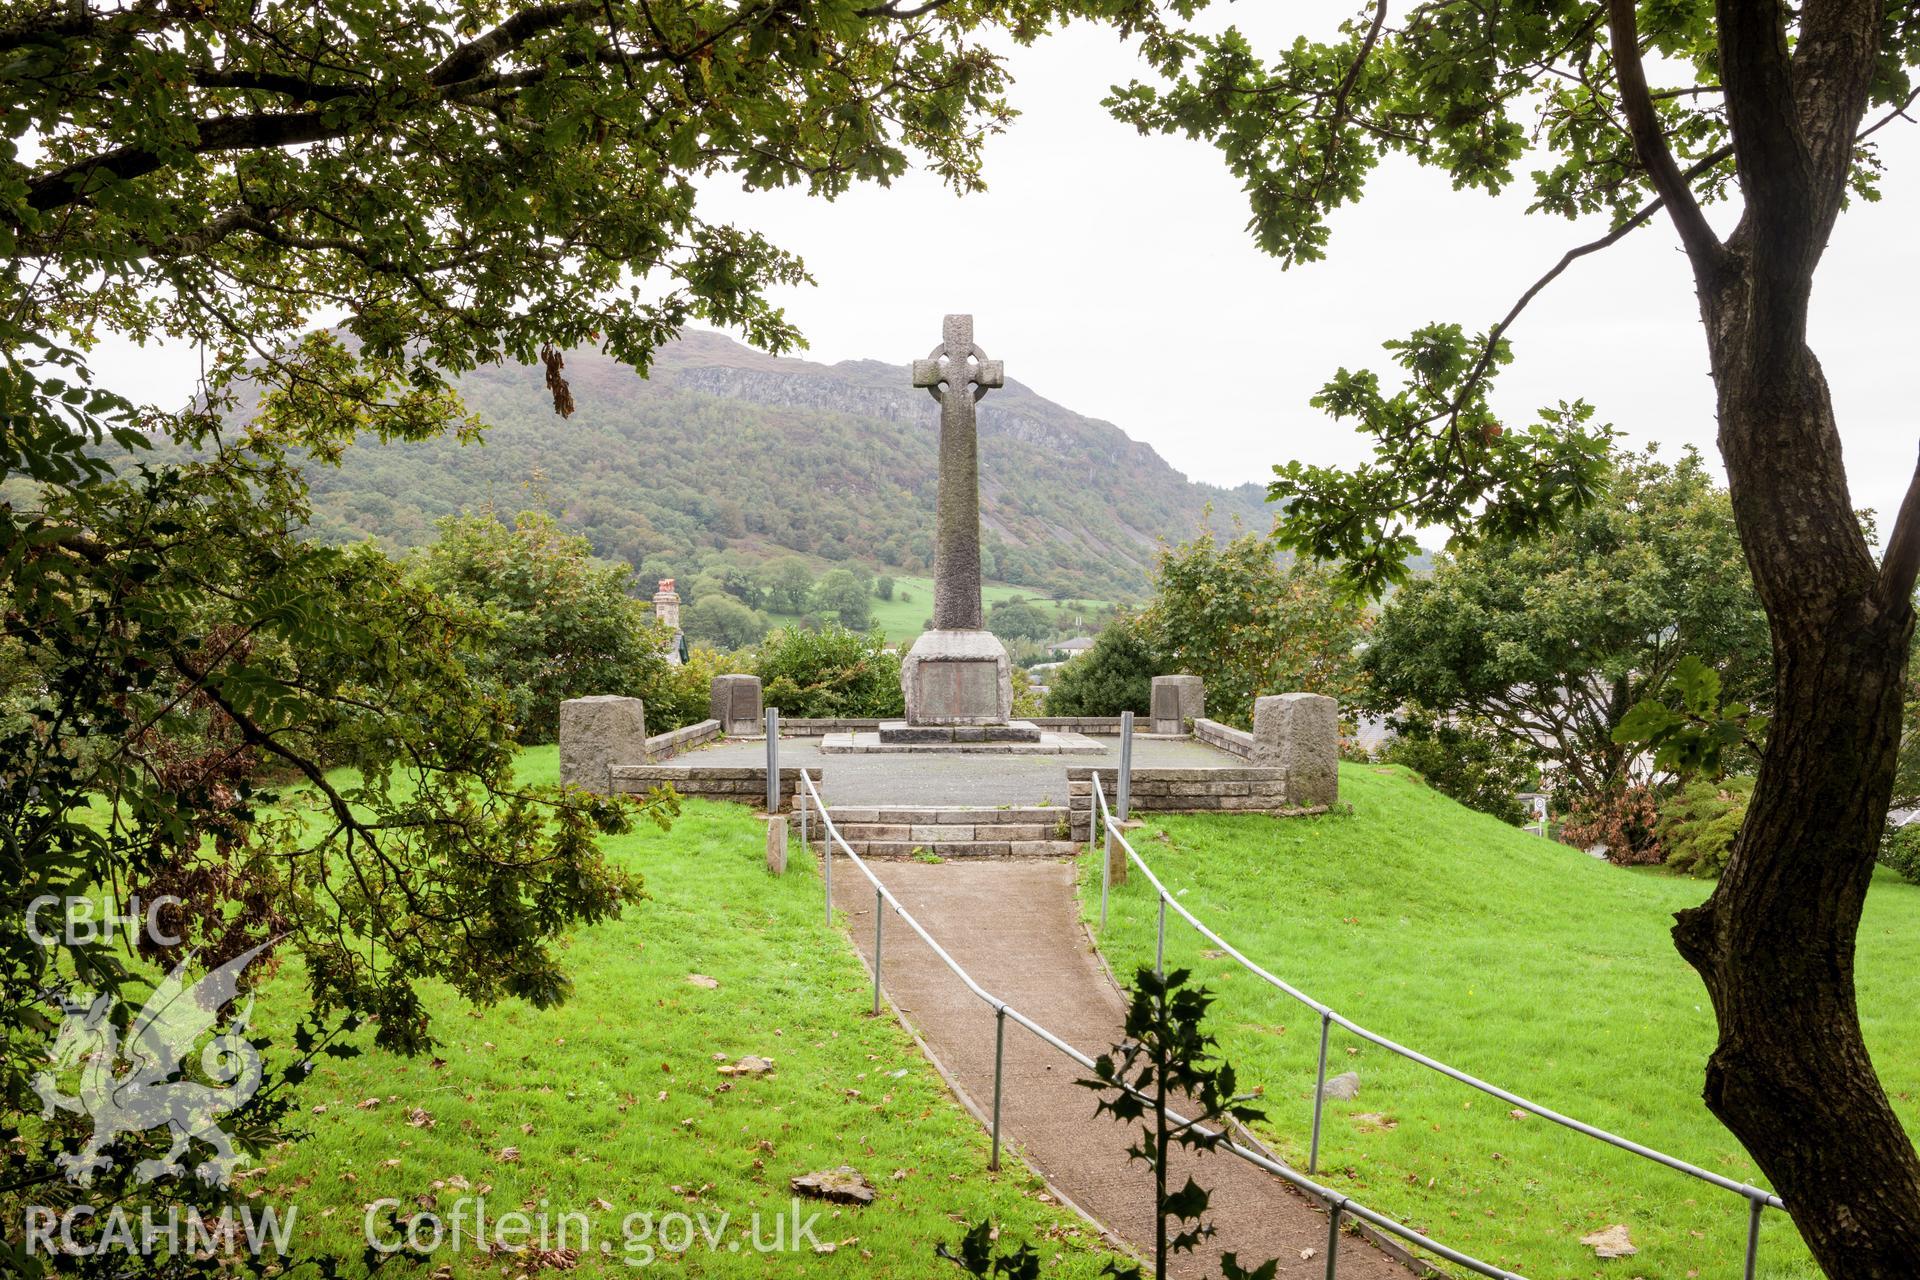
[1230, 790]
[1093, 726]
[745, 784]
[1225, 737]
[665, 746]
[802, 727]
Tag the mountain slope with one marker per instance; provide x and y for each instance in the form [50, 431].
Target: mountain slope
[727, 450]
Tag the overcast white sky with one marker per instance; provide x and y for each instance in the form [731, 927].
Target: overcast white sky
[1113, 273]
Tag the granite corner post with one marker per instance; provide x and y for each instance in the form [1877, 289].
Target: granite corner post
[1177, 702]
[597, 733]
[1299, 734]
[735, 701]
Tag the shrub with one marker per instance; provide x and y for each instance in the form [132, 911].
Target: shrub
[1699, 821]
[1469, 762]
[1624, 819]
[1901, 851]
[830, 673]
[683, 695]
[1232, 615]
[1115, 675]
[559, 624]
[1027, 701]
[884, 587]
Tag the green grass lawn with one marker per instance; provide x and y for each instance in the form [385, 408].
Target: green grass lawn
[615, 1104]
[1517, 960]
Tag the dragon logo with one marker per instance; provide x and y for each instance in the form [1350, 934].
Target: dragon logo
[150, 1090]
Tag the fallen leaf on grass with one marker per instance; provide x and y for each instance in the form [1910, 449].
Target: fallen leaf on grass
[702, 980]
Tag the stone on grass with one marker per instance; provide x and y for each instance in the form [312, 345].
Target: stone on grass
[1344, 1086]
[702, 980]
[750, 1065]
[596, 733]
[777, 844]
[1299, 734]
[844, 1185]
[1374, 1122]
[1611, 1242]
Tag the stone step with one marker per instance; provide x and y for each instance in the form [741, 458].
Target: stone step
[951, 833]
[946, 815]
[965, 848]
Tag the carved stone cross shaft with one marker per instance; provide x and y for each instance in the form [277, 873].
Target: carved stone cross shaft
[957, 373]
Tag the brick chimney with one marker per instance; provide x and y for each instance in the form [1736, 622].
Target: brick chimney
[666, 604]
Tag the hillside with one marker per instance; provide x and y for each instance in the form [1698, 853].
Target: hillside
[724, 449]
[1518, 960]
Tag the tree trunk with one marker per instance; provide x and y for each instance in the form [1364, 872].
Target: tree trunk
[1775, 942]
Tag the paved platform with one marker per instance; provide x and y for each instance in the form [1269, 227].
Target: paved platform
[1015, 927]
[956, 779]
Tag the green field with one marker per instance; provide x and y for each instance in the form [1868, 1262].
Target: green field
[616, 1106]
[905, 619]
[1517, 960]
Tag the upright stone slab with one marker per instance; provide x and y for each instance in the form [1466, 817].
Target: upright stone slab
[734, 701]
[1177, 700]
[1299, 734]
[597, 733]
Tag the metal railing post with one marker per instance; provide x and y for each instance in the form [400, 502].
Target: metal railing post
[1319, 1094]
[1122, 802]
[773, 760]
[1160, 942]
[879, 918]
[999, 1072]
[1754, 1209]
[1334, 1211]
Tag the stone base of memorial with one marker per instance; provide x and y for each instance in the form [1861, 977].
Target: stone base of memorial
[898, 737]
[905, 733]
[957, 678]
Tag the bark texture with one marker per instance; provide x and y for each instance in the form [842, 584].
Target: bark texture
[1790, 1075]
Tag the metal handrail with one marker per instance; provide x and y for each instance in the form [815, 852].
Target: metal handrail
[1337, 1204]
[1757, 1197]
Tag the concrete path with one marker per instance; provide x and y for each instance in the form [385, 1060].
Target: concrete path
[1014, 926]
[958, 779]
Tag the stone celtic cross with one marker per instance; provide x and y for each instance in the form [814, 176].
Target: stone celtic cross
[957, 373]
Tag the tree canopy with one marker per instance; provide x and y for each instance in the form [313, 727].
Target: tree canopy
[1552, 640]
[1233, 615]
[557, 625]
